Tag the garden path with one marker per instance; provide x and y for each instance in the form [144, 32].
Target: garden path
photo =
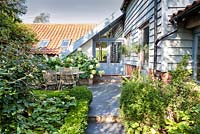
[104, 109]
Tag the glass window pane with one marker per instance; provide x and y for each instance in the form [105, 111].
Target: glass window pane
[115, 55]
[43, 43]
[146, 45]
[198, 60]
[65, 43]
[101, 52]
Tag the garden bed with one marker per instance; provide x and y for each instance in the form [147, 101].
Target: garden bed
[149, 106]
[59, 112]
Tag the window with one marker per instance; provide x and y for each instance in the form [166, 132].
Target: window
[115, 55]
[145, 45]
[198, 60]
[43, 43]
[101, 52]
[65, 43]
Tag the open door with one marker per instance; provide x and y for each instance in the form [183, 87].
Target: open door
[109, 55]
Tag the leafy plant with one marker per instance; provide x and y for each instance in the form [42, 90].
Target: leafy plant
[76, 120]
[86, 64]
[124, 50]
[48, 113]
[20, 71]
[148, 106]
[81, 93]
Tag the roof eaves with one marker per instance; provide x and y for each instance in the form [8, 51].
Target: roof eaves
[125, 5]
[180, 14]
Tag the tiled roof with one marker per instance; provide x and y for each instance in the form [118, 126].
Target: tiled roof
[57, 32]
[180, 13]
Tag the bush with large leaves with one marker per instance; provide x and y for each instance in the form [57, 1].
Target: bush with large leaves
[19, 69]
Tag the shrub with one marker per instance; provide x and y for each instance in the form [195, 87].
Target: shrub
[47, 114]
[76, 120]
[85, 63]
[81, 93]
[148, 106]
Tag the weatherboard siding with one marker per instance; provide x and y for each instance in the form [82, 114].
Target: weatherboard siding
[137, 13]
[177, 45]
[171, 49]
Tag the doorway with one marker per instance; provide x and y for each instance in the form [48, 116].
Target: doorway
[109, 55]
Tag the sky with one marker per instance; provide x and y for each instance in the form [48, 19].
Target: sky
[72, 11]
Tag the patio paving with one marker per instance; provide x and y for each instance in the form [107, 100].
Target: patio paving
[104, 109]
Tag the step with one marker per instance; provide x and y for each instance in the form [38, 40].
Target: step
[104, 119]
[105, 128]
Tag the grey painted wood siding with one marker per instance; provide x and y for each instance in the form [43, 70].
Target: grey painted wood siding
[171, 49]
[174, 47]
[118, 30]
[139, 12]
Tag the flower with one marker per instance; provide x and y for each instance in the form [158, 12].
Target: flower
[97, 65]
[101, 73]
[91, 76]
[72, 60]
[91, 66]
[79, 49]
[93, 71]
[68, 59]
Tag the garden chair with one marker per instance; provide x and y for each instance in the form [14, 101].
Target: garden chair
[66, 78]
[50, 78]
[75, 71]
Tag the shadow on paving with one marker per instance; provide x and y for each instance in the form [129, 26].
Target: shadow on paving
[105, 100]
[105, 103]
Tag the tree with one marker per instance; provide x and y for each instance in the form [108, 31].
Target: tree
[19, 69]
[42, 18]
[13, 8]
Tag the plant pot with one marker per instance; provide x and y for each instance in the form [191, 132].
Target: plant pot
[90, 81]
[86, 81]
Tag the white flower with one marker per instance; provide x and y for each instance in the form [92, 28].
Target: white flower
[91, 76]
[68, 59]
[101, 73]
[72, 60]
[97, 65]
[79, 49]
[93, 71]
[91, 67]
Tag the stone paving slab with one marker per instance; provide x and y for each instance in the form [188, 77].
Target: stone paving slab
[105, 128]
[105, 99]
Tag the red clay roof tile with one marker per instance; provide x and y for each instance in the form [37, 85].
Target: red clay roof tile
[57, 32]
[187, 8]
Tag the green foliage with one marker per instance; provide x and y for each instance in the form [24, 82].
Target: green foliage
[20, 71]
[13, 8]
[124, 49]
[76, 120]
[48, 113]
[148, 106]
[86, 64]
[81, 93]
[55, 111]
[54, 63]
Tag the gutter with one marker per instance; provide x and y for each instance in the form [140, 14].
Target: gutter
[155, 36]
[156, 45]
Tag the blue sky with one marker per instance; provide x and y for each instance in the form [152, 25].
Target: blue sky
[72, 11]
